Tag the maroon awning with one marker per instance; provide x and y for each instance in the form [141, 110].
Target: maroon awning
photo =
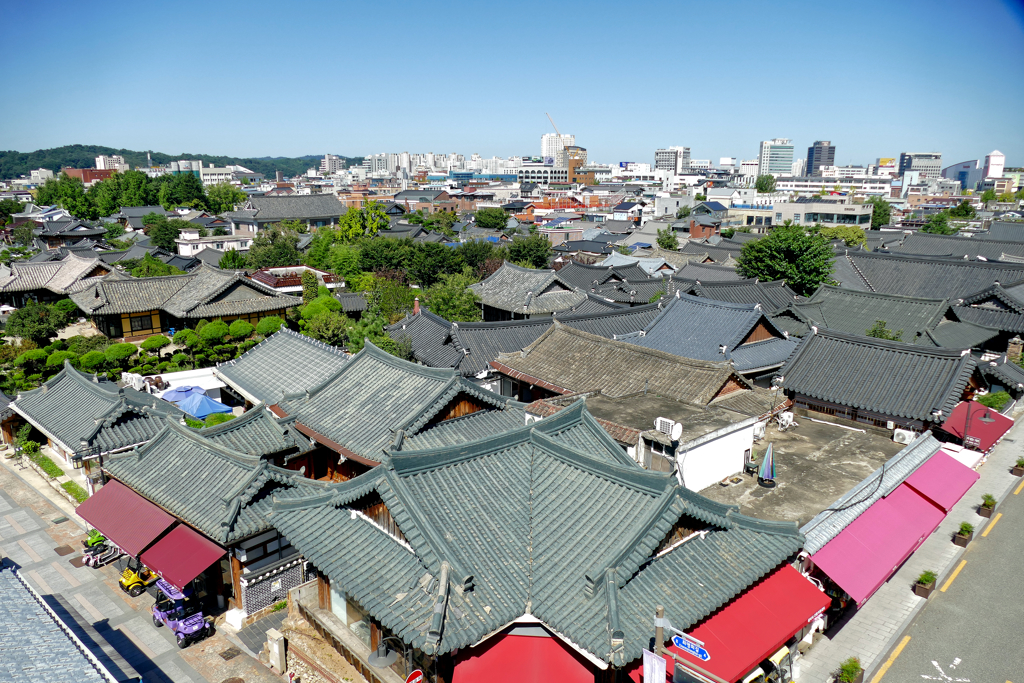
[182, 555]
[124, 517]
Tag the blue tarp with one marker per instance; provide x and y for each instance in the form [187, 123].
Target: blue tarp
[201, 405]
[181, 393]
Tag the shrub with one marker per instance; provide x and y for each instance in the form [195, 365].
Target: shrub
[995, 400]
[32, 357]
[927, 577]
[849, 669]
[29, 446]
[317, 307]
[215, 331]
[218, 418]
[278, 606]
[241, 329]
[1020, 462]
[269, 326]
[201, 324]
[155, 342]
[44, 463]
[194, 424]
[75, 490]
[966, 529]
[186, 337]
[118, 353]
[179, 358]
[93, 360]
[988, 500]
[57, 358]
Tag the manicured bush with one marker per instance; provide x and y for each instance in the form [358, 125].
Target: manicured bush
[93, 360]
[269, 326]
[215, 331]
[119, 353]
[218, 418]
[201, 324]
[994, 400]
[179, 358]
[57, 358]
[241, 329]
[194, 424]
[32, 357]
[75, 490]
[320, 306]
[186, 337]
[155, 342]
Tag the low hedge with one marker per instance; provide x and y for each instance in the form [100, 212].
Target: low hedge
[75, 490]
[46, 465]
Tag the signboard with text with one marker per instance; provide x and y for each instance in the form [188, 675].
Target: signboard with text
[690, 647]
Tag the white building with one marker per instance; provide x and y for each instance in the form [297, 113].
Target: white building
[675, 159]
[551, 144]
[798, 167]
[995, 162]
[111, 163]
[748, 167]
[775, 157]
[41, 175]
[700, 164]
[807, 185]
[331, 164]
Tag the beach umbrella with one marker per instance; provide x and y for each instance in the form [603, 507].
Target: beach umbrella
[201, 405]
[767, 471]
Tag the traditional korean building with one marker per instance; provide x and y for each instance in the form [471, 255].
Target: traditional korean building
[50, 280]
[515, 293]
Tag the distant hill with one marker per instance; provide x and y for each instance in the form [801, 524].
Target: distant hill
[14, 164]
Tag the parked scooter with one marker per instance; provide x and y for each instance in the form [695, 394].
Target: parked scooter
[104, 558]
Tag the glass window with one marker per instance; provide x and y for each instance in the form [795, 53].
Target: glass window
[141, 322]
[358, 620]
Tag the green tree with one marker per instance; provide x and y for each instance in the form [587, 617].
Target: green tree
[389, 295]
[683, 212]
[34, 321]
[535, 250]
[93, 360]
[268, 326]
[69, 194]
[155, 343]
[452, 299]
[22, 234]
[223, 197]
[963, 210]
[309, 285]
[114, 231]
[31, 360]
[184, 189]
[765, 183]
[850, 234]
[491, 219]
[988, 196]
[150, 266]
[133, 188]
[118, 354]
[163, 233]
[938, 224]
[152, 219]
[271, 249]
[319, 253]
[788, 253]
[57, 358]
[364, 222]
[214, 332]
[881, 212]
[880, 331]
[343, 259]
[8, 207]
[667, 239]
[241, 329]
[232, 260]
[318, 306]
[431, 260]
[389, 254]
[105, 195]
[330, 327]
[476, 252]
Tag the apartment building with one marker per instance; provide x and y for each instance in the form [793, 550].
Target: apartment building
[775, 157]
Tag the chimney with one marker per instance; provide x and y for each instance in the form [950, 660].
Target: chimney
[1014, 348]
[416, 311]
[280, 177]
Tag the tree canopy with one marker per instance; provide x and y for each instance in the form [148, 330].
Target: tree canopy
[880, 330]
[534, 250]
[765, 183]
[851, 235]
[881, 212]
[451, 299]
[938, 224]
[788, 253]
[491, 218]
[271, 249]
[223, 197]
[667, 239]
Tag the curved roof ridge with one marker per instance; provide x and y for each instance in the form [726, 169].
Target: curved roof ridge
[872, 295]
[888, 344]
[174, 427]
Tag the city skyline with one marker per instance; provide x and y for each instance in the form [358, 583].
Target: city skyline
[153, 85]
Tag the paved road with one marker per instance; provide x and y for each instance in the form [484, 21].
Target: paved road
[975, 630]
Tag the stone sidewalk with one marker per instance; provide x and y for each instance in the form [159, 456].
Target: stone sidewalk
[872, 631]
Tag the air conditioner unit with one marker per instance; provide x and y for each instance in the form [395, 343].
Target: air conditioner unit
[759, 431]
[664, 425]
[903, 436]
[890, 425]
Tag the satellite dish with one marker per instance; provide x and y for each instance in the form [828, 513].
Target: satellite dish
[382, 657]
[677, 431]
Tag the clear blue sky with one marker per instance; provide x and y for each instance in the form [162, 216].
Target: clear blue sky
[269, 79]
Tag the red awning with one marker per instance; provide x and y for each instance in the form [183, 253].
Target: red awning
[942, 480]
[512, 659]
[981, 429]
[182, 555]
[124, 517]
[866, 553]
[753, 626]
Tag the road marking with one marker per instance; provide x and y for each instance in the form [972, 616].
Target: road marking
[991, 524]
[14, 525]
[1021, 486]
[89, 607]
[32, 554]
[892, 658]
[943, 676]
[952, 576]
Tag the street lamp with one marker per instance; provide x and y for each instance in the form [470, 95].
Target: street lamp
[382, 657]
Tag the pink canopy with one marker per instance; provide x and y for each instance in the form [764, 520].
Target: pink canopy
[942, 480]
[867, 552]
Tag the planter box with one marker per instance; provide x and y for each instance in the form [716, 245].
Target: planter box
[985, 512]
[962, 541]
[859, 678]
[924, 590]
[1017, 471]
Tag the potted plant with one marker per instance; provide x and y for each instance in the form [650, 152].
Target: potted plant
[964, 535]
[988, 505]
[1018, 469]
[850, 671]
[925, 583]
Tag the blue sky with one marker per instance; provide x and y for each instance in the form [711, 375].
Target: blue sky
[270, 79]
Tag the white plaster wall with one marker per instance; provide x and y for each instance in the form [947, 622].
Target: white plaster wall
[715, 460]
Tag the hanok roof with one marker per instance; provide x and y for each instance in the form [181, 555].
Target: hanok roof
[706, 272]
[632, 292]
[68, 275]
[285, 362]
[224, 493]
[257, 432]
[360, 409]
[525, 291]
[585, 276]
[997, 306]
[1012, 231]
[83, 412]
[855, 312]
[921, 277]
[565, 360]
[676, 259]
[884, 377]
[537, 544]
[206, 292]
[705, 329]
[351, 302]
[770, 295]
[925, 244]
[295, 207]
[652, 266]
[719, 254]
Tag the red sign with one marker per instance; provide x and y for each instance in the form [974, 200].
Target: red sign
[415, 677]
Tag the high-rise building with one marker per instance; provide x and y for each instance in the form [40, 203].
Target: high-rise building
[674, 159]
[112, 163]
[776, 157]
[551, 145]
[928, 164]
[798, 168]
[995, 162]
[748, 167]
[331, 164]
[821, 153]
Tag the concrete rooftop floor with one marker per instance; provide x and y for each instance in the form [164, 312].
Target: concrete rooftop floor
[814, 465]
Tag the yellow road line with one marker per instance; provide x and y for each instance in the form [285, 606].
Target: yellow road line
[892, 658]
[991, 524]
[952, 576]
[1019, 487]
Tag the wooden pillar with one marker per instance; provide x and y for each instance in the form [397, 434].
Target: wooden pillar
[236, 582]
[323, 591]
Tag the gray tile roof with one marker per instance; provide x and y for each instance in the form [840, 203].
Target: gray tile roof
[922, 277]
[1012, 231]
[959, 335]
[60, 277]
[855, 312]
[526, 291]
[771, 295]
[538, 543]
[35, 648]
[206, 292]
[996, 306]
[888, 378]
[585, 276]
[826, 525]
[706, 272]
[284, 362]
[83, 412]
[635, 292]
[565, 360]
[718, 253]
[363, 406]
[351, 302]
[295, 207]
[705, 329]
[677, 259]
[925, 244]
[224, 493]
[428, 334]
[1004, 372]
[257, 432]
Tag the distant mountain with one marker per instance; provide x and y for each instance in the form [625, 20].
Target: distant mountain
[14, 164]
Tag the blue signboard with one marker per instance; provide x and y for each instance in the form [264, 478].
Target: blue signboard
[691, 648]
